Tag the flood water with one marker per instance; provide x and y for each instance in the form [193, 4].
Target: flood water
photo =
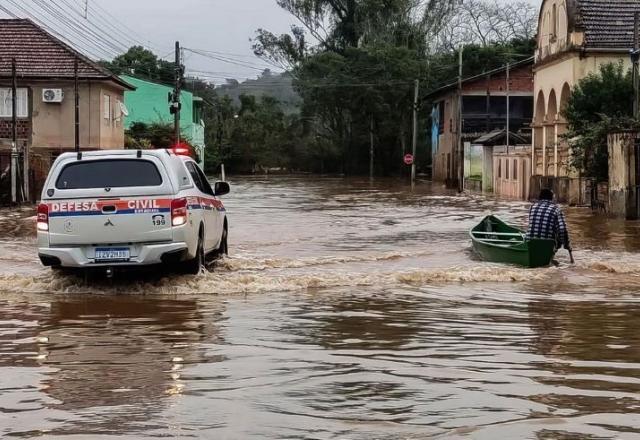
[347, 310]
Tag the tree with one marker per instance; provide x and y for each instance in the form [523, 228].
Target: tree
[141, 62]
[486, 22]
[154, 135]
[600, 103]
[367, 57]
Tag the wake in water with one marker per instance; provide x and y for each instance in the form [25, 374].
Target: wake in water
[229, 283]
[246, 274]
[256, 263]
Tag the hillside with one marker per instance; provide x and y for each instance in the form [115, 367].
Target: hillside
[276, 85]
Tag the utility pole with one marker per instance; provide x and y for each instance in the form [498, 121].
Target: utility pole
[415, 130]
[14, 133]
[507, 89]
[460, 150]
[371, 149]
[76, 97]
[635, 56]
[488, 105]
[176, 94]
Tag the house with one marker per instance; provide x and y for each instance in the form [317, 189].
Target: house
[504, 168]
[574, 38]
[45, 100]
[484, 109]
[149, 103]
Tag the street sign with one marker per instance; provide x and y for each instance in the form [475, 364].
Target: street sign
[408, 159]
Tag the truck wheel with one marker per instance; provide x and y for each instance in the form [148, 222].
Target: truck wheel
[194, 266]
[223, 249]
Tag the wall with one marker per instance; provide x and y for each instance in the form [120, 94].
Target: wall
[149, 103]
[445, 160]
[54, 124]
[112, 129]
[512, 172]
[487, 169]
[623, 175]
[553, 81]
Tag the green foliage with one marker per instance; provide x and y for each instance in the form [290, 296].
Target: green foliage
[599, 104]
[352, 81]
[362, 73]
[143, 63]
[155, 135]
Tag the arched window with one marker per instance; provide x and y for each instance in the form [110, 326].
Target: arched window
[554, 22]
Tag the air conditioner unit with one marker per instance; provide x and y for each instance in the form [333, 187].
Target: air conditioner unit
[52, 95]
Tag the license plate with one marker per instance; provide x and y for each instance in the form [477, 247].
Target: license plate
[112, 254]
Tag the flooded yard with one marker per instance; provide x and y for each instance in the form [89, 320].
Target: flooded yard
[346, 310]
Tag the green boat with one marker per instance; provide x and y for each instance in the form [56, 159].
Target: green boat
[496, 241]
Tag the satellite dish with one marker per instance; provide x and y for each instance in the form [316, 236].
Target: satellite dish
[124, 109]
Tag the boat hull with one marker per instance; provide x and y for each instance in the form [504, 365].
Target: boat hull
[504, 247]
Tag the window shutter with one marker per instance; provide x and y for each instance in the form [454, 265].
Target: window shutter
[5, 103]
[22, 104]
[107, 107]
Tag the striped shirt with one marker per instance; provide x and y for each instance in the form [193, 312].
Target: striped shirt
[546, 220]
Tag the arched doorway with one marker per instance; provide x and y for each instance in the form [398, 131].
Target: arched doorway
[563, 147]
[564, 98]
[552, 135]
[539, 133]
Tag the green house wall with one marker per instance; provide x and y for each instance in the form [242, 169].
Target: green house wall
[149, 103]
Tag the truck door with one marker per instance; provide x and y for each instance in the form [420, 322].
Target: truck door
[206, 203]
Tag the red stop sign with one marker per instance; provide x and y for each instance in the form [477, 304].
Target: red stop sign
[408, 159]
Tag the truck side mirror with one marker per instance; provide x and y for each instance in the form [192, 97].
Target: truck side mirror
[221, 188]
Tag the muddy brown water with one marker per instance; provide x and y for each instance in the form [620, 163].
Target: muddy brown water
[347, 310]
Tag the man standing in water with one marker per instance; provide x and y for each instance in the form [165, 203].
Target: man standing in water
[546, 220]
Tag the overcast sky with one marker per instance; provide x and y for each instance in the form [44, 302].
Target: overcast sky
[215, 25]
[222, 26]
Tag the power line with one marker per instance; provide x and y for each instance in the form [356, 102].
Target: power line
[74, 28]
[227, 60]
[86, 45]
[77, 27]
[105, 36]
[109, 20]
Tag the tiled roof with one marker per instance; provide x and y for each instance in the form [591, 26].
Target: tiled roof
[607, 23]
[39, 54]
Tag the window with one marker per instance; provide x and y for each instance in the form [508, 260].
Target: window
[6, 104]
[197, 112]
[106, 110]
[116, 173]
[117, 111]
[506, 169]
[199, 179]
[554, 22]
[205, 181]
[499, 168]
[515, 169]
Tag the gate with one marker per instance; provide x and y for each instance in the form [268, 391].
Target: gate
[636, 187]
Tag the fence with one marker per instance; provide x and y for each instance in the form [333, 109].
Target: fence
[569, 190]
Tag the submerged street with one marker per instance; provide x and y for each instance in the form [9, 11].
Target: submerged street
[346, 310]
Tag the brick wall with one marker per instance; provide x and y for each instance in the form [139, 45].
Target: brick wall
[520, 80]
[6, 129]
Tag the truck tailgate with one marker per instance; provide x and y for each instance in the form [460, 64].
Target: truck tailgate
[94, 221]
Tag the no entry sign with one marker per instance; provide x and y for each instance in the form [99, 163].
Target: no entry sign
[408, 159]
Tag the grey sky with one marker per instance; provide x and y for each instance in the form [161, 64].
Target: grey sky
[221, 26]
[111, 27]
[215, 25]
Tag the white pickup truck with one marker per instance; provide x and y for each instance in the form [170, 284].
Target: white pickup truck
[105, 209]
